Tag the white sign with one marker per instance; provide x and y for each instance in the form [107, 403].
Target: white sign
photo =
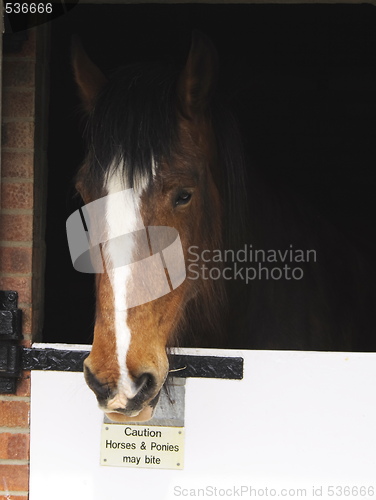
[140, 446]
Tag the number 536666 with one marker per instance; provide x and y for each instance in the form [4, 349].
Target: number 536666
[26, 8]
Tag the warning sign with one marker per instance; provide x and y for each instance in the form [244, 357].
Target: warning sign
[156, 447]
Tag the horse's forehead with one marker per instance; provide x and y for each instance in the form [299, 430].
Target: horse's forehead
[117, 178]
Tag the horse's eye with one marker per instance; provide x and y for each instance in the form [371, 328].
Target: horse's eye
[183, 198]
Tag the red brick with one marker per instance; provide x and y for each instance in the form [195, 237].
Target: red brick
[23, 383]
[18, 104]
[18, 73]
[13, 497]
[14, 446]
[22, 285]
[15, 260]
[19, 165]
[4, 445]
[27, 320]
[23, 386]
[17, 195]
[14, 414]
[14, 477]
[16, 227]
[18, 135]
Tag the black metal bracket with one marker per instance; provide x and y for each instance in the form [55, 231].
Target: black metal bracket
[10, 335]
[181, 366]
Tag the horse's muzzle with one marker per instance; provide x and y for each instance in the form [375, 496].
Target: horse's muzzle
[113, 402]
[140, 416]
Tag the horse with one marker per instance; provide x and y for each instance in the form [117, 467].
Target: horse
[164, 134]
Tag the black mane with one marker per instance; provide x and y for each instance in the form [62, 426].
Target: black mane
[133, 122]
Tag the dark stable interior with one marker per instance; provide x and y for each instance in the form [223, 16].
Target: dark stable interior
[302, 81]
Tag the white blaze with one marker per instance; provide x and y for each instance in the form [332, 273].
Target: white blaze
[122, 217]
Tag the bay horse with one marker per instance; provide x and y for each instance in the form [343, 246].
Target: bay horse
[163, 132]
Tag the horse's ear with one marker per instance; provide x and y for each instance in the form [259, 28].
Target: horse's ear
[89, 78]
[198, 79]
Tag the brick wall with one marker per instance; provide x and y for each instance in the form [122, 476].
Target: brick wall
[21, 235]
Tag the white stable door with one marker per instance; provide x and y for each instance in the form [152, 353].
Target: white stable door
[300, 424]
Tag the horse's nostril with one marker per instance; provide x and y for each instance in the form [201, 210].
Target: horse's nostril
[145, 386]
[146, 383]
[100, 389]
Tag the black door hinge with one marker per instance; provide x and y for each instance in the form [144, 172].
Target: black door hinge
[10, 335]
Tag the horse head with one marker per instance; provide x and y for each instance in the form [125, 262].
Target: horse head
[152, 162]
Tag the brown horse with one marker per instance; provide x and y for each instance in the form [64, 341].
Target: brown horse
[150, 129]
[163, 133]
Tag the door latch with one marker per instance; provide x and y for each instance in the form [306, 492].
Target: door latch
[10, 335]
